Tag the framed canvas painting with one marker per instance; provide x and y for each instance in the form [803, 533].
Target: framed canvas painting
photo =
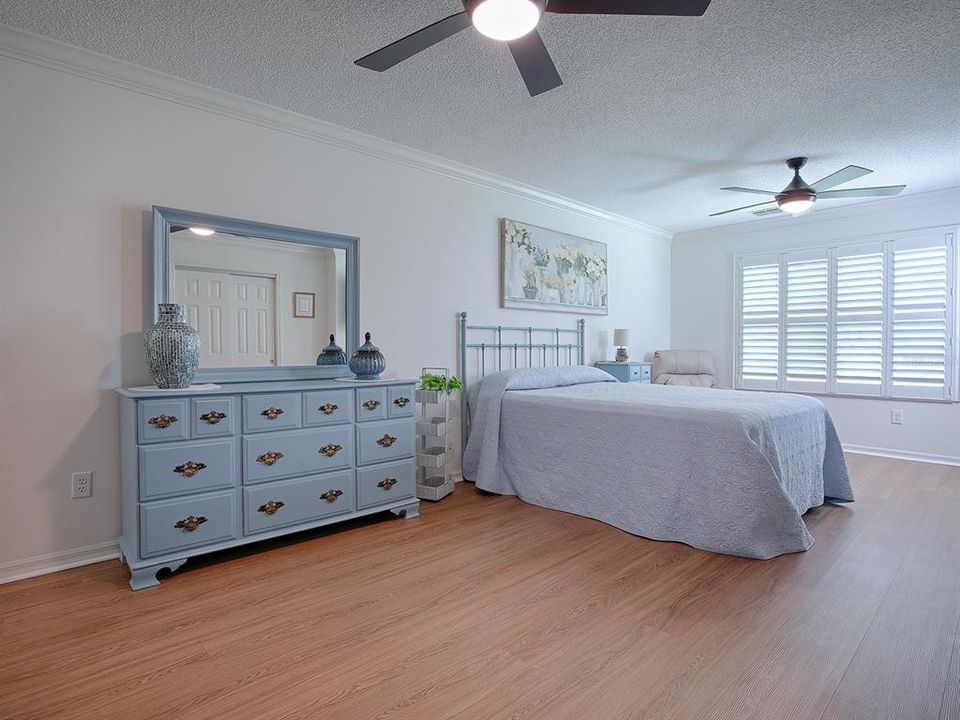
[550, 270]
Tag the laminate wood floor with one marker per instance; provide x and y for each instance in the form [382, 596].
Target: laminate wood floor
[486, 607]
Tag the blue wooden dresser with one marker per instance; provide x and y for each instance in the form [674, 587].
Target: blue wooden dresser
[208, 470]
[627, 371]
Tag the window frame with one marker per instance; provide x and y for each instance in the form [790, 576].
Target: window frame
[888, 242]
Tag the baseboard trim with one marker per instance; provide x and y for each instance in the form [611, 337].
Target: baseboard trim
[902, 455]
[55, 562]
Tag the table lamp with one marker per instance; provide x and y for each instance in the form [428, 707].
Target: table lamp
[621, 338]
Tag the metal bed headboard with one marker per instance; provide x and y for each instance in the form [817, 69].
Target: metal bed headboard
[524, 347]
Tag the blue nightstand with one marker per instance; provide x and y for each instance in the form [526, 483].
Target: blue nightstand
[627, 371]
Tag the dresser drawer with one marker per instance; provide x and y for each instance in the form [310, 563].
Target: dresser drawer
[640, 373]
[371, 403]
[183, 468]
[290, 502]
[400, 401]
[385, 483]
[390, 440]
[303, 452]
[271, 412]
[172, 525]
[327, 407]
[162, 420]
[213, 417]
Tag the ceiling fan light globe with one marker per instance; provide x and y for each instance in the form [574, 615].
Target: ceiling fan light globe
[796, 205]
[505, 19]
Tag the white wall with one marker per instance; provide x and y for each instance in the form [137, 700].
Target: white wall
[85, 155]
[703, 308]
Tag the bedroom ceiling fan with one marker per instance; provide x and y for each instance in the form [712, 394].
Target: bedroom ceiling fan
[798, 196]
[515, 22]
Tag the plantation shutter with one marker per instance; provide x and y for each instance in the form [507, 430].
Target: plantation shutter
[807, 321]
[859, 335]
[874, 319]
[759, 323]
[921, 353]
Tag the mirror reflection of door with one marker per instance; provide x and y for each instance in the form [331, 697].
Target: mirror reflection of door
[239, 293]
[235, 314]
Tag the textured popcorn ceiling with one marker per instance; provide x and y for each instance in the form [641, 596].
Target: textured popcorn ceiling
[655, 114]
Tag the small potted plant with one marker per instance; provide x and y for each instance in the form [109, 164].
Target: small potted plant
[530, 283]
[434, 387]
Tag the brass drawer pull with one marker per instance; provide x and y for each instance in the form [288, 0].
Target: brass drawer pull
[272, 413]
[271, 507]
[328, 408]
[213, 417]
[387, 483]
[386, 441]
[401, 402]
[189, 468]
[371, 404]
[270, 458]
[190, 524]
[331, 495]
[162, 421]
[331, 449]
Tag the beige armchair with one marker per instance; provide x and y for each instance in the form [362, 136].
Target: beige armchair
[693, 368]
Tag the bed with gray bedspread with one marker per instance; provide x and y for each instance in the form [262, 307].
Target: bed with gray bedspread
[721, 470]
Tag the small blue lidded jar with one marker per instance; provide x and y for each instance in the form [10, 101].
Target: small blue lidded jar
[367, 362]
[332, 354]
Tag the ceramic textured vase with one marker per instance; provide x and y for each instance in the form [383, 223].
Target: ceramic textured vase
[332, 354]
[172, 347]
[367, 362]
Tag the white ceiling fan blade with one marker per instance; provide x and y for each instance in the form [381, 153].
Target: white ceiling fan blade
[850, 172]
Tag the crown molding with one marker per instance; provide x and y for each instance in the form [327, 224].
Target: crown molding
[823, 215]
[55, 55]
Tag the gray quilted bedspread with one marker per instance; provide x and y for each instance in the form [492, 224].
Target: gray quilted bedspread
[721, 470]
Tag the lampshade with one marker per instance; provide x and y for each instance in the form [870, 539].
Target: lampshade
[621, 337]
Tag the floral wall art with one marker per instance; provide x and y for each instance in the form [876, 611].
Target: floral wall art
[549, 270]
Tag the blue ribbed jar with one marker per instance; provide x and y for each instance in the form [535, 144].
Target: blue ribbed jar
[367, 362]
[172, 348]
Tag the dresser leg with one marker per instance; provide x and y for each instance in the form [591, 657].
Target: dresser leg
[145, 577]
[409, 512]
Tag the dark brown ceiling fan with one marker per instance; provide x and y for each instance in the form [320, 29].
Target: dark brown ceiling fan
[515, 22]
[798, 196]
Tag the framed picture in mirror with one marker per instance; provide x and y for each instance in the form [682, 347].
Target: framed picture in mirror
[304, 305]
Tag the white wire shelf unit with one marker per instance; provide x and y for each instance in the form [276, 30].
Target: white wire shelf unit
[434, 451]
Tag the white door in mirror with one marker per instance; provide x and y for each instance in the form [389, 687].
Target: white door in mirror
[234, 314]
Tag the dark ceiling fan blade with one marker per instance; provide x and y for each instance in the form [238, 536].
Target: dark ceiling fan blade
[535, 64]
[629, 7]
[850, 172]
[745, 207]
[397, 52]
[862, 192]
[750, 190]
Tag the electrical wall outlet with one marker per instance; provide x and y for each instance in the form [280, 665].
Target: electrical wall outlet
[81, 484]
[896, 417]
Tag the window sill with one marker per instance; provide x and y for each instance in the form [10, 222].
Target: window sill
[847, 396]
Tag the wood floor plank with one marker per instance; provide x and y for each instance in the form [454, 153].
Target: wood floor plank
[489, 608]
[902, 666]
[950, 703]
